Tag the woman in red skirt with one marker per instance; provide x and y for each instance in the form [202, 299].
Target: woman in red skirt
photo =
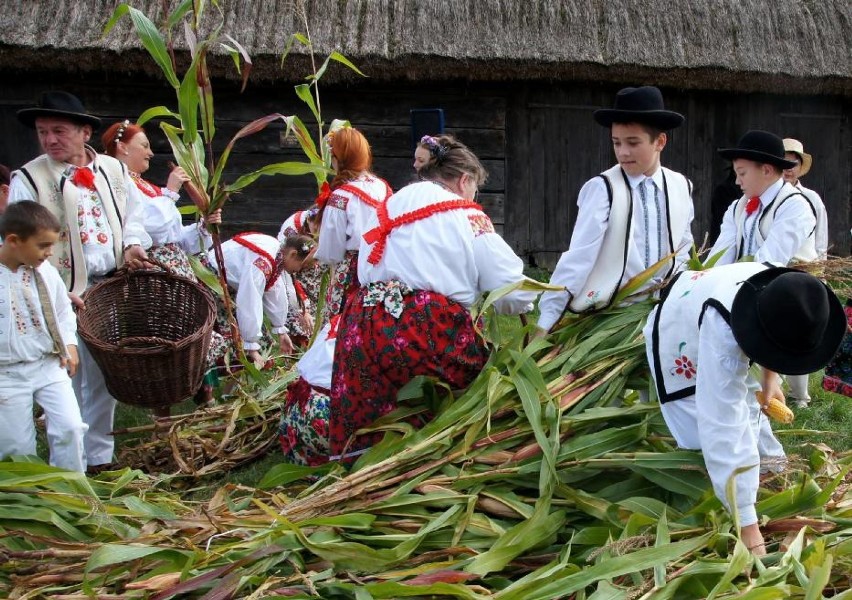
[426, 256]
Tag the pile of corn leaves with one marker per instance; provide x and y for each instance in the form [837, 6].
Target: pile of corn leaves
[546, 478]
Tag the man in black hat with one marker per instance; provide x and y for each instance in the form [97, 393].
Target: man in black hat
[700, 340]
[630, 216]
[773, 221]
[100, 210]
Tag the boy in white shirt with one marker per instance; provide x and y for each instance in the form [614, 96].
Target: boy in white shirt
[630, 216]
[38, 340]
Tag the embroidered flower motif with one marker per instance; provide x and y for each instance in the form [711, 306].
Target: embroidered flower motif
[84, 237]
[684, 367]
[102, 238]
[697, 275]
[480, 224]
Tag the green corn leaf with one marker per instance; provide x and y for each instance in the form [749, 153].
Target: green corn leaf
[150, 38]
[188, 101]
[285, 473]
[662, 539]
[740, 561]
[303, 91]
[252, 128]
[157, 112]
[283, 168]
[116, 554]
[337, 56]
[565, 583]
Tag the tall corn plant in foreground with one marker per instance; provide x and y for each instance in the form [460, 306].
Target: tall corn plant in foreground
[191, 137]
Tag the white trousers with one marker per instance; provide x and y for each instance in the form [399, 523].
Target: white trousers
[46, 382]
[97, 407]
[798, 387]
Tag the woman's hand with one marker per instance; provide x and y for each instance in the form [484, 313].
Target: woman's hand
[256, 359]
[214, 218]
[176, 179]
[285, 344]
[306, 321]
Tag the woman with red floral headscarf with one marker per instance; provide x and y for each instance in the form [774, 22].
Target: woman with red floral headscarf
[346, 205]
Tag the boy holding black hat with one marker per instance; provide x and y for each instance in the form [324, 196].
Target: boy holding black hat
[100, 210]
[630, 216]
[773, 221]
[700, 339]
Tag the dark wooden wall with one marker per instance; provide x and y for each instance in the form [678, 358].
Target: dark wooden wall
[538, 142]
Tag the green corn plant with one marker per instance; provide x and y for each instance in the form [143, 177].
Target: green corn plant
[190, 129]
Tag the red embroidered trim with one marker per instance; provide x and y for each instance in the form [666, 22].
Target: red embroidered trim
[300, 291]
[364, 196]
[273, 264]
[146, 187]
[378, 236]
[297, 220]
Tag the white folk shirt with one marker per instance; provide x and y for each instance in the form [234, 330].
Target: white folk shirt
[821, 232]
[455, 253]
[575, 265]
[793, 223]
[246, 273]
[704, 383]
[24, 336]
[292, 226]
[164, 224]
[316, 363]
[344, 219]
[95, 233]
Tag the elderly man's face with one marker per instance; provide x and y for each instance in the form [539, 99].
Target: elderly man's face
[63, 140]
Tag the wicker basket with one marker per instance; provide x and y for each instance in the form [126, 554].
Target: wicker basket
[149, 332]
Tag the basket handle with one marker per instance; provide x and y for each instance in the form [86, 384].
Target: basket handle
[147, 340]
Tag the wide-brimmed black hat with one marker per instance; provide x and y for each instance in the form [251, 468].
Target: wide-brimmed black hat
[759, 146]
[58, 104]
[642, 105]
[787, 321]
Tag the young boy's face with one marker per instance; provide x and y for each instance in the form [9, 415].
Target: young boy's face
[753, 178]
[636, 151]
[36, 249]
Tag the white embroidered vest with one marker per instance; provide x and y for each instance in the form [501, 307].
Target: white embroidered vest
[677, 318]
[807, 252]
[605, 278]
[45, 179]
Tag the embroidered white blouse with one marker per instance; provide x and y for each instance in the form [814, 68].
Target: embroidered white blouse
[344, 219]
[246, 272]
[164, 224]
[455, 253]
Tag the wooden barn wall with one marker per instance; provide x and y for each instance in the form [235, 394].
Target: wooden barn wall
[555, 146]
[538, 142]
[382, 114]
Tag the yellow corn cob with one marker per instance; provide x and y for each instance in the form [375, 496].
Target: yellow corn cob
[775, 409]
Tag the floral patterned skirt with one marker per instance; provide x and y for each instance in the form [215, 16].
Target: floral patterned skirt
[303, 431]
[838, 373]
[377, 354]
[342, 284]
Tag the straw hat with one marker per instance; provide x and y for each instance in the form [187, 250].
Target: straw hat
[796, 147]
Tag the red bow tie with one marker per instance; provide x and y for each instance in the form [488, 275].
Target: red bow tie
[752, 205]
[83, 177]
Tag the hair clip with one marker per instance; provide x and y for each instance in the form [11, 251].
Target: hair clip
[120, 133]
[306, 248]
[435, 148]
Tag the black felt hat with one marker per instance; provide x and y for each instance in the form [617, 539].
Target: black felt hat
[58, 104]
[642, 105]
[787, 321]
[759, 146]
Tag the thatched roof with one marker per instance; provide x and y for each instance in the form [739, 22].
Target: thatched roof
[746, 45]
